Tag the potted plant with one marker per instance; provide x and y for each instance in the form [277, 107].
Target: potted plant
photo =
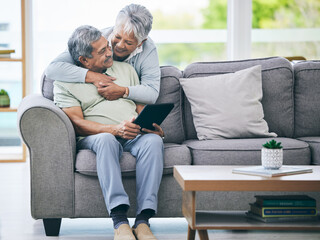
[4, 99]
[272, 155]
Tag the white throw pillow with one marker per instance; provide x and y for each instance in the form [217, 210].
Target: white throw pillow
[227, 105]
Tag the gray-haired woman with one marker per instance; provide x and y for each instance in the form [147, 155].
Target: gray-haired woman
[130, 43]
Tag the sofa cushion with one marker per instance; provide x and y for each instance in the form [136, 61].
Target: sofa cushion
[245, 151]
[314, 143]
[277, 87]
[307, 98]
[227, 105]
[170, 92]
[174, 154]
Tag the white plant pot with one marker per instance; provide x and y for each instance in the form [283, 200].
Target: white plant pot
[271, 158]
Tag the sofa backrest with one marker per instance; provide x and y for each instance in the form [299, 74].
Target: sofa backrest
[47, 87]
[170, 91]
[307, 98]
[277, 86]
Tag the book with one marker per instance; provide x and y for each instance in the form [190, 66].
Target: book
[253, 216]
[5, 55]
[282, 211]
[5, 52]
[285, 201]
[261, 171]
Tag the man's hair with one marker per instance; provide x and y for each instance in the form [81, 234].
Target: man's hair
[79, 43]
[134, 18]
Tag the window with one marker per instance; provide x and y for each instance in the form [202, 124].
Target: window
[10, 72]
[286, 28]
[183, 35]
[196, 32]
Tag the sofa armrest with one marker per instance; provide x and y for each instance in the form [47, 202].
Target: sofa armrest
[50, 138]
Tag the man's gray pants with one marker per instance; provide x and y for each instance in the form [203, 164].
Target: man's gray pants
[148, 151]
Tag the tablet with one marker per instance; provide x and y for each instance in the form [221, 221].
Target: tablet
[153, 113]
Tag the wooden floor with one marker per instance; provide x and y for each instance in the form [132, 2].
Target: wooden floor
[16, 222]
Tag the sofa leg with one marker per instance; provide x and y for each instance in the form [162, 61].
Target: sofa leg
[52, 226]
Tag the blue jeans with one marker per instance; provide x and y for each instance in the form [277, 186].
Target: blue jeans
[148, 151]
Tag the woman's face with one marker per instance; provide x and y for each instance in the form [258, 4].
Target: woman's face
[123, 45]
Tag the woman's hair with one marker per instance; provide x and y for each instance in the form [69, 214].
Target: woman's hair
[79, 43]
[134, 18]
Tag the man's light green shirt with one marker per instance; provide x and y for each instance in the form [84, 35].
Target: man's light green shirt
[95, 107]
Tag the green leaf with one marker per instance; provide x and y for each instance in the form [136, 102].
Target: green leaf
[272, 144]
[3, 92]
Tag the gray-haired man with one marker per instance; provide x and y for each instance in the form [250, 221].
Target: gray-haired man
[106, 128]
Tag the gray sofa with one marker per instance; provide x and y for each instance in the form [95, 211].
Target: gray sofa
[64, 183]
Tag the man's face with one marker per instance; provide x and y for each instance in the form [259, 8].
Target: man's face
[123, 45]
[101, 56]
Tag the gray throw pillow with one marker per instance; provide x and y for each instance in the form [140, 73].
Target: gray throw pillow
[227, 105]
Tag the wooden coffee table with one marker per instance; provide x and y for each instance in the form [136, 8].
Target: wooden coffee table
[220, 178]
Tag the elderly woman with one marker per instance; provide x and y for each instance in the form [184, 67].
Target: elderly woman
[130, 43]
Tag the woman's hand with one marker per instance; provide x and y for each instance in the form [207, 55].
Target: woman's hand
[98, 79]
[158, 130]
[111, 91]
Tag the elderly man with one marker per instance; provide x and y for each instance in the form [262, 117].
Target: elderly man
[106, 128]
[130, 43]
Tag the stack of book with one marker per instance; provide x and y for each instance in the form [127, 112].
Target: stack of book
[5, 52]
[283, 208]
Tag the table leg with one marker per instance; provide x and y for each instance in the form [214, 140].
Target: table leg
[191, 233]
[203, 234]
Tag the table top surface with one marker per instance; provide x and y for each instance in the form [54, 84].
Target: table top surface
[221, 178]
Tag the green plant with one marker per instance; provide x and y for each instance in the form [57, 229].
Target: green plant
[272, 144]
[3, 92]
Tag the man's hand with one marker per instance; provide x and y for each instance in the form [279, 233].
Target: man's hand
[111, 91]
[158, 130]
[127, 129]
[98, 79]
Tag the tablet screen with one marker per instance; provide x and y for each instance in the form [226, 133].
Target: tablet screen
[153, 113]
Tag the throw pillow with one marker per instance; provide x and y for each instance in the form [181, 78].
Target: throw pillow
[227, 105]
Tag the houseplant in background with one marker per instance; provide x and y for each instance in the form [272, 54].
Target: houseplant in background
[272, 155]
[4, 98]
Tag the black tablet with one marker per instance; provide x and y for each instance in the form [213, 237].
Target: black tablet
[153, 113]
